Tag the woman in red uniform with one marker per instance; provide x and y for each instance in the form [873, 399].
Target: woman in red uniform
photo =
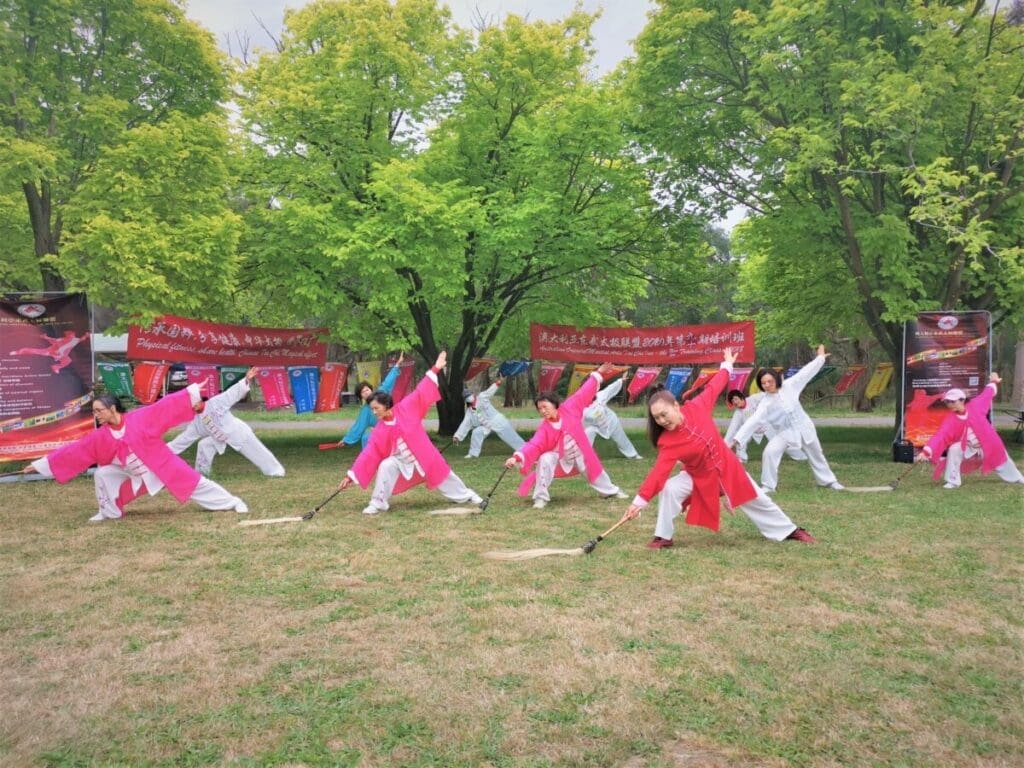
[686, 434]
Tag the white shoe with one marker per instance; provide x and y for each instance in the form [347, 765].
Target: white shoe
[950, 486]
[240, 506]
[101, 517]
[837, 486]
[372, 510]
[539, 503]
[470, 456]
[638, 457]
[474, 499]
[767, 490]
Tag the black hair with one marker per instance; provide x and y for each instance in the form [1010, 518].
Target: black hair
[771, 372]
[110, 401]
[654, 429]
[551, 397]
[734, 393]
[382, 397]
[360, 385]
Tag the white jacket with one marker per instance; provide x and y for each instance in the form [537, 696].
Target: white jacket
[781, 411]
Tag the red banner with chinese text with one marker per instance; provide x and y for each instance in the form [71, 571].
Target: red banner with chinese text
[273, 381]
[333, 377]
[181, 340]
[148, 381]
[643, 346]
[206, 376]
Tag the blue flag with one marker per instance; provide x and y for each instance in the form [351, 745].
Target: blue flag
[513, 368]
[305, 381]
[677, 378]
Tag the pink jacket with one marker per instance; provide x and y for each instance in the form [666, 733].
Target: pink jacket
[547, 438]
[954, 429]
[144, 429]
[407, 424]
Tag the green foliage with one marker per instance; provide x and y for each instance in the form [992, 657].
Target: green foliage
[80, 77]
[447, 208]
[877, 147]
[151, 232]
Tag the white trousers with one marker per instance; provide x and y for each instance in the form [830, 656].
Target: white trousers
[112, 493]
[772, 457]
[452, 487]
[617, 436]
[1007, 471]
[770, 520]
[250, 447]
[506, 433]
[546, 465]
[792, 451]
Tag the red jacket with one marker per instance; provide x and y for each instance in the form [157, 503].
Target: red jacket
[697, 445]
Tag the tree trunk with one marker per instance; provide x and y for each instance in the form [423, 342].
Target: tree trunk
[46, 237]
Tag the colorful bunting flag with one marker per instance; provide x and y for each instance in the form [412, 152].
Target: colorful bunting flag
[117, 378]
[333, 377]
[148, 381]
[849, 378]
[369, 372]
[511, 368]
[230, 374]
[580, 371]
[478, 366]
[879, 381]
[550, 373]
[204, 375]
[273, 381]
[643, 378]
[404, 381]
[677, 378]
[305, 382]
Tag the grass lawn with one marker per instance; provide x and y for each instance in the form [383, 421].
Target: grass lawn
[177, 638]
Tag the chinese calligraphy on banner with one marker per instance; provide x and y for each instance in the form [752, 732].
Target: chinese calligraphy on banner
[643, 346]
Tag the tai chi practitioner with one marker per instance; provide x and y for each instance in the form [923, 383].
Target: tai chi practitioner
[360, 430]
[599, 419]
[483, 418]
[688, 435]
[215, 427]
[780, 410]
[399, 451]
[969, 440]
[744, 408]
[134, 459]
[560, 447]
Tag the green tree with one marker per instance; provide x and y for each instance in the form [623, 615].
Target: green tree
[876, 145]
[522, 200]
[78, 75]
[151, 232]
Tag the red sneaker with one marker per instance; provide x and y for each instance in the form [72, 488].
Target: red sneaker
[659, 543]
[801, 535]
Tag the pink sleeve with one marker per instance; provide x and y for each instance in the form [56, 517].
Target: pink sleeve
[71, 460]
[418, 402]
